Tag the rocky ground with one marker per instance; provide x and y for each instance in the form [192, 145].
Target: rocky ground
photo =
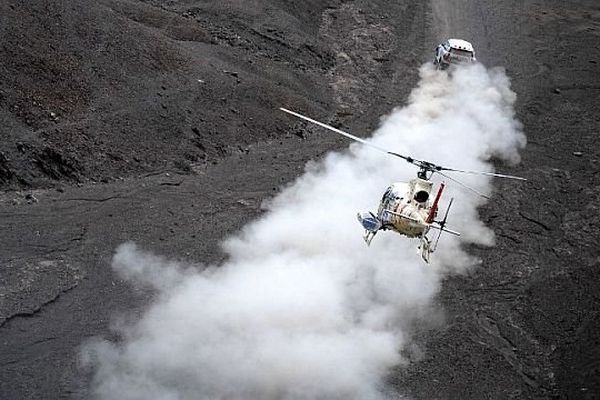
[156, 122]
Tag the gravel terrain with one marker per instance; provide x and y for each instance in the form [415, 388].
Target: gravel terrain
[157, 122]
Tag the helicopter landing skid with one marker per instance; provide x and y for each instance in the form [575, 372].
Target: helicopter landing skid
[368, 236]
[425, 249]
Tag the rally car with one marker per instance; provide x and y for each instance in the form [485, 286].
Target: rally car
[453, 52]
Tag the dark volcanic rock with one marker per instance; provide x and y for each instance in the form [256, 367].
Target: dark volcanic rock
[6, 175]
[55, 165]
[111, 80]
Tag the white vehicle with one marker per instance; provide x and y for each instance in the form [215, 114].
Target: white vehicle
[454, 51]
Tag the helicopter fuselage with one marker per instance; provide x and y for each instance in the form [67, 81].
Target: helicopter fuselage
[406, 208]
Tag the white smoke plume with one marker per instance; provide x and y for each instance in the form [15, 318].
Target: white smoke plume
[303, 309]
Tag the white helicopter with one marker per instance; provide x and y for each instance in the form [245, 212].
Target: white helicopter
[407, 208]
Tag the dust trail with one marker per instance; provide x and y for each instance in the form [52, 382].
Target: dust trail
[302, 309]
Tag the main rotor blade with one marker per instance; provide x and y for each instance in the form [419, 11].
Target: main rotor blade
[424, 165]
[463, 185]
[348, 135]
[484, 173]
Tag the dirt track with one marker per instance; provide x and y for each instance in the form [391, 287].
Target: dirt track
[164, 132]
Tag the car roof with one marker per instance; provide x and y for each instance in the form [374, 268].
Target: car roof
[460, 44]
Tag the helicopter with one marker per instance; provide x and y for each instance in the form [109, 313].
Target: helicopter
[407, 208]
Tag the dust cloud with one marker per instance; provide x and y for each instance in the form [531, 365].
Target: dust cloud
[303, 309]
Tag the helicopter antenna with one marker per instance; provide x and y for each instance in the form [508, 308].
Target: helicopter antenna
[424, 166]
